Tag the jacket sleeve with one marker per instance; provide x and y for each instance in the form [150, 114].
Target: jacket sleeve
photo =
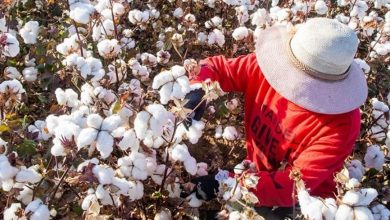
[232, 74]
[316, 163]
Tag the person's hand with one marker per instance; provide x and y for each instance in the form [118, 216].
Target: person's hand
[196, 103]
[204, 187]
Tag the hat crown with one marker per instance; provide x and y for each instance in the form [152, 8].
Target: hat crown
[325, 45]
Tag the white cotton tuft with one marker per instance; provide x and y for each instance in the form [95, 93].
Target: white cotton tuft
[240, 33]
[11, 48]
[378, 105]
[104, 144]
[104, 174]
[11, 212]
[193, 201]
[38, 209]
[230, 133]
[216, 37]
[29, 175]
[362, 213]
[29, 32]
[164, 214]
[260, 17]
[344, 212]
[218, 131]
[355, 169]
[111, 123]
[86, 137]
[374, 157]
[321, 7]
[180, 152]
[109, 48]
[190, 165]
[94, 121]
[141, 124]
[30, 74]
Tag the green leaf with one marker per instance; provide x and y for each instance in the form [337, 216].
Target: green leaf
[27, 148]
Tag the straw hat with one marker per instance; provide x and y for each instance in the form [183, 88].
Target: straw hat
[313, 67]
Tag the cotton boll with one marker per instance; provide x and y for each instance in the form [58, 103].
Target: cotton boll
[344, 212]
[321, 7]
[352, 184]
[94, 121]
[109, 48]
[81, 13]
[30, 74]
[86, 137]
[378, 105]
[141, 124]
[193, 201]
[38, 209]
[158, 174]
[351, 197]
[374, 157]
[216, 37]
[202, 169]
[29, 175]
[12, 72]
[10, 213]
[105, 174]
[329, 209]
[26, 193]
[151, 165]
[362, 213]
[129, 140]
[367, 195]
[111, 123]
[240, 33]
[260, 17]
[180, 152]
[104, 144]
[29, 32]
[11, 48]
[7, 171]
[164, 214]
[190, 165]
[355, 169]
[178, 13]
[230, 133]
[136, 190]
[363, 64]
[380, 212]
[89, 201]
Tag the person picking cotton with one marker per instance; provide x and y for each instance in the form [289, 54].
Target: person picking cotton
[302, 91]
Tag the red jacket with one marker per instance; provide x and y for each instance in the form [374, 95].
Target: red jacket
[279, 131]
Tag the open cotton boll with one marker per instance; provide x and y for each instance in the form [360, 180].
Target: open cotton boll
[29, 175]
[367, 195]
[94, 121]
[30, 74]
[104, 173]
[129, 140]
[86, 137]
[329, 209]
[362, 213]
[29, 32]
[7, 171]
[111, 123]
[344, 212]
[109, 48]
[216, 37]
[81, 12]
[104, 144]
[26, 193]
[380, 212]
[12, 73]
[190, 165]
[355, 169]
[137, 17]
[11, 212]
[151, 165]
[311, 207]
[351, 197]
[374, 157]
[230, 133]
[218, 131]
[136, 190]
[164, 214]
[378, 105]
[321, 7]
[141, 124]
[260, 17]
[11, 48]
[193, 201]
[180, 152]
[38, 210]
[352, 184]
[240, 33]
[69, 46]
[89, 200]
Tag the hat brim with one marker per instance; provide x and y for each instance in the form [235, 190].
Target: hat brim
[304, 90]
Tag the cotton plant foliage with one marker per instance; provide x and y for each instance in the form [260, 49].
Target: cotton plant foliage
[92, 100]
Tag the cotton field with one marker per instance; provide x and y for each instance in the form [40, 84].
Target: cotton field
[93, 123]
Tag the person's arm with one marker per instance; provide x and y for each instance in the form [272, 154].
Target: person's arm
[316, 163]
[232, 74]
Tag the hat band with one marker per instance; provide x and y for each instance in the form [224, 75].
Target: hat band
[310, 71]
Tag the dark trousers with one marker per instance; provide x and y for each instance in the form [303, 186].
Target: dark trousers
[280, 213]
